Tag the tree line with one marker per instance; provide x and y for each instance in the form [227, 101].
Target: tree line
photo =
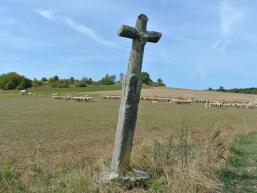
[252, 90]
[13, 80]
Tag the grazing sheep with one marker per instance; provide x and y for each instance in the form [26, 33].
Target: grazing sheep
[181, 100]
[217, 104]
[77, 98]
[111, 97]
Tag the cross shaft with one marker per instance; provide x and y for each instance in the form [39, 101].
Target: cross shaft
[131, 91]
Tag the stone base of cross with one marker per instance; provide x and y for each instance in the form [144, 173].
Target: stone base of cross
[130, 178]
[131, 91]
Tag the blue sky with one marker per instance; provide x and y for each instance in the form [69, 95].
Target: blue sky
[205, 43]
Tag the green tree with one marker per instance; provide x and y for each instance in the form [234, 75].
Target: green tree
[90, 81]
[43, 79]
[56, 78]
[146, 78]
[72, 79]
[86, 80]
[53, 79]
[160, 82]
[2, 81]
[10, 85]
[108, 80]
[221, 89]
[14, 77]
[25, 83]
[10, 81]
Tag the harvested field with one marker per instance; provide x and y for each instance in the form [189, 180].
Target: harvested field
[53, 133]
[198, 94]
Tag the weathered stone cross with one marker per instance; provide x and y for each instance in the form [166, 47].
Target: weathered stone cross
[131, 92]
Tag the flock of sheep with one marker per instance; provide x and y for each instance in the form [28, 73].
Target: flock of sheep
[179, 100]
[78, 98]
[111, 97]
[217, 104]
[207, 103]
[155, 99]
[167, 99]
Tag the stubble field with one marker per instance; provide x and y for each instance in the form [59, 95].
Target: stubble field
[62, 139]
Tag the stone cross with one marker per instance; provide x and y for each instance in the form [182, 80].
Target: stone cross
[131, 92]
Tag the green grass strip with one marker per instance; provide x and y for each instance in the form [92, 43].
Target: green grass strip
[240, 173]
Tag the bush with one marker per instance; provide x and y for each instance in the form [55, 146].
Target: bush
[36, 83]
[81, 84]
[59, 84]
[108, 80]
[86, 80]
[63, 85]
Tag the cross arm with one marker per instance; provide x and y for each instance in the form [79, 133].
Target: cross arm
[128, 32]
[153, 37]
[132, 33]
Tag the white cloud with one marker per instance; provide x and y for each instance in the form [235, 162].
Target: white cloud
[54, 15]
[87, 31]
[230, 19]
[48, 13]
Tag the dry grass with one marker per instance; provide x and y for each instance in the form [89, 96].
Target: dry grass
[53, 146]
